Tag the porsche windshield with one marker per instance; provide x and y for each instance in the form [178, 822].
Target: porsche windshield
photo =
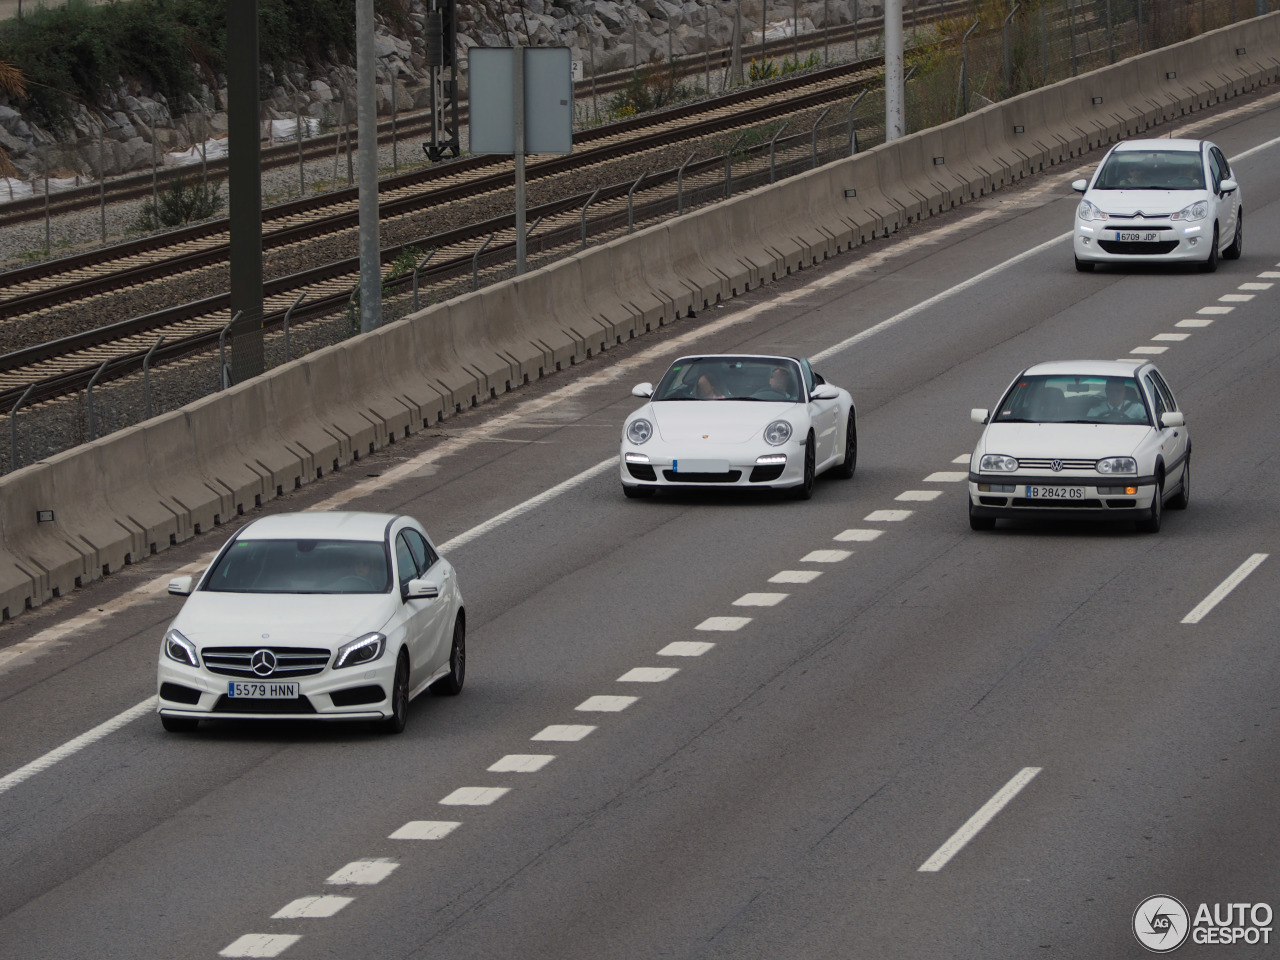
[1070, 399]
[1152, 170]
[732, 378]
[301, 566]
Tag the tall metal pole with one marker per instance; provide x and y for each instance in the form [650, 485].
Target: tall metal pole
[244, 183]
[893, 93]
[517, 71]
[367, 140]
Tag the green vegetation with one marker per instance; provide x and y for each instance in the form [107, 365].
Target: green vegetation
[179, 205]
[651, 88]
[81, 51]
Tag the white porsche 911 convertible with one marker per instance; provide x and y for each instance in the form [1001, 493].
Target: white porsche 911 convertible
[738, 421]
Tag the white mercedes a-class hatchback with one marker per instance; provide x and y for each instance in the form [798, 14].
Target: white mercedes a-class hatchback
[1081, 439]
[742, 421]
[314, 616]
[1160, 201]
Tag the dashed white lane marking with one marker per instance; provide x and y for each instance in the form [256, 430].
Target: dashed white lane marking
[1148, 351]
[887, 516]
[963, 458]
[259, 945]
[855, 535]
[522, 763]
[312, 908]
[563, 732]
[979, 820]
[1219, 593]
[425, 830]
[947, 476]
[364, 873]
[1197, 322]
[9, 781]
[685, 648]
[826, 556]
[921, 495]
[1174, 337]
[726, 624]
[648, 674]
[1269, 275]
[760, 599]
[795, 576]
[605, 704]
[474, 796]
[1214, 311]
[1236, 297]
[1255, 286]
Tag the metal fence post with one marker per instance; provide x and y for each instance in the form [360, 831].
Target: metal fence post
[102, 186]
[88, 393]
[475, 263]
[963, 106]
[853, 130]
[1111, 46]
[416, 270]
[48, 245]
[680, 185]
[817, 123]
[584, 216]
[772, 143]
[287, 315]
[1008, 58]
[728, 167]
[224, 375]
[13, 426]
[630, 202]
[146, 374]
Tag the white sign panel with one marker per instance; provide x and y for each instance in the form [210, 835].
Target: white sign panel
[548, 99]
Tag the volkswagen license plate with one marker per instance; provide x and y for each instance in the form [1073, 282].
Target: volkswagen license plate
[1134, 236]
[262, 690]
[1055, 493]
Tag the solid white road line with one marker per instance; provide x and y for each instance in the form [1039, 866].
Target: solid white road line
[760, 599]
[79, 743]
[685, 648]
[259, 945]
[474, 796]
[979, 820]
[563, 732]
[1220, 592]
[795, 576]
[605, 704]
[312, 908]
[522, 763]
[826, 556]
[648, 674]
[425, 830]
[723, 624]
[364, 873]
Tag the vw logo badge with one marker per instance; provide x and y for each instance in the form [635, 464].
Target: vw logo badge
[1057, 465]
[263, 663]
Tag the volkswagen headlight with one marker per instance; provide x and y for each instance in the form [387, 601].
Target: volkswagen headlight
[1195, 211]
[364, 650]
[639, 431]
[1087, 211]
[997, 463]
[777, 433]
[1118, 465]
[179, 648]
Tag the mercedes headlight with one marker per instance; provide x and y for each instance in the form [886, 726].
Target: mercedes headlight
[1118, 465]
[1087, 211]
[777, 433]
[364, 650]
[1195, 211]
[179, 648]
[997, 463]
[638, 431]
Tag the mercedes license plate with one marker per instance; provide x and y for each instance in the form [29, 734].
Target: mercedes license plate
[1055, 493]
[1134, 236]
[262, 690]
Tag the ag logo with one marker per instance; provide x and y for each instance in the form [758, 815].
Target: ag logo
[1161, 924]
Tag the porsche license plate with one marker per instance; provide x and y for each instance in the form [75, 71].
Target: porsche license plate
[699, 466]
[1055, 493]
[262, 690]
[1136, 236]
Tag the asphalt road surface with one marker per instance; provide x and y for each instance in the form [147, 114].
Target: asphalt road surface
[830, 695]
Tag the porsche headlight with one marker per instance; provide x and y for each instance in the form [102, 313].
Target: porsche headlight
[997, 463]
[364, 650]
[639, 431]
[777, 433]
[1195, 211]
[1118, 465]
[1087, 211]
[179, 648]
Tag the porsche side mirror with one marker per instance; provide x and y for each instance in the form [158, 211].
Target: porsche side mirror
[642, 390]
[978, 415]
[825, 391]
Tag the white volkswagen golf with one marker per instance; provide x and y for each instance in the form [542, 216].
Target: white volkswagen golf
[329, 616]
[1160, 201]
[1086, 438]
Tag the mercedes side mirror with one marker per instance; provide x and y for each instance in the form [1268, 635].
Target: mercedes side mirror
[181, 586]
[421, 590]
